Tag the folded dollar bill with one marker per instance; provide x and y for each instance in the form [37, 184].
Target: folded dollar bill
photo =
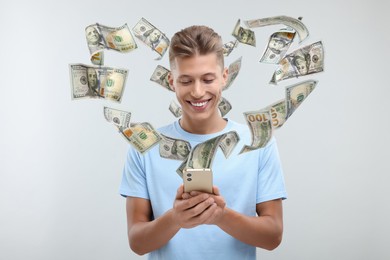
[224, 106]
[233, 70]
[160, 76]
[203, 154]
[172, 148]
[278, 44]
[296, 94]
[119, 118]
[97, 82]
[278, 113]
[228, 47]
[260, 124]
[175, 109]
[142, 136]
[304, 61]
[243, 35]
[151, 36]
[101, 37]
[295, 24]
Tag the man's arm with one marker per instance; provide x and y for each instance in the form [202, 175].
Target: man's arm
[146, 235]
[264, 230]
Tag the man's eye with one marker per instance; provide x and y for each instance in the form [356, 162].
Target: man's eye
[185, 82]
[208, 81]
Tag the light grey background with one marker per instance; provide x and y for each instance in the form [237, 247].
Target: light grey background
[61, 162]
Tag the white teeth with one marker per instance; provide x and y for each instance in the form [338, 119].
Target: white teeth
[199, 104]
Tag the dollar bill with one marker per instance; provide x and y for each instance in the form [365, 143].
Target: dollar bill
[98, 58]
[101, 37]
[182, 167]
[260, 124]
[304, 61]
[278, 44]
[228, 47]
[172, 148]
[228, 142]
[151, 36]
[233, 70]
[97, 82]
[224, 106]
[202, 155]
[297, 93]
[141, 135]
[119, 118]
[278, 113]
[295, 24]
[175, 109]
[243, 35]
[160, 76]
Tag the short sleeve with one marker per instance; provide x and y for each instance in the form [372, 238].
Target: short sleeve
[133, 182]
[270, 184]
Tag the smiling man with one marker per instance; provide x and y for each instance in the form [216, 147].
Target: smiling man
[245, 209]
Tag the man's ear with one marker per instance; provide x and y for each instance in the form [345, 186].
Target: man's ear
[225, 76]
[170, 81]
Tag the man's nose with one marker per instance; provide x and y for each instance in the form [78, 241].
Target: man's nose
[197, 90]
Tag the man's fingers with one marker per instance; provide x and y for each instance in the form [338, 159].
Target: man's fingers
[216, 190]
[200, 207]
[180, 192]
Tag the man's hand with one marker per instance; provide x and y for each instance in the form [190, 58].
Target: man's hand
[219, 201]
[192, 210]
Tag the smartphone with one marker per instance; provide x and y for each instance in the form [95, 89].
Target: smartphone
[198, 180]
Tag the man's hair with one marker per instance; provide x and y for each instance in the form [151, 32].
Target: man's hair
[196, 40]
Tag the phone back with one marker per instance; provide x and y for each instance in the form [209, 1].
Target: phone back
[198, 180]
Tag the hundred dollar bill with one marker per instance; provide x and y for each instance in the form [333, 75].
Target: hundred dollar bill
[296, 24]
[160, 76]
[176, 149]
[228, 142]
[97, 82]
[175, 109]
[278, 113]
[141, 135]
[260, 124]
[224, 106]
[119, 118]
[233, 71]
[98, 58]
[202, 155]
[101, 37]
[297, 93]
[182, 167]
[151, 36]
[278, 44]
[304, 61]
[243, 35]
[228, 47]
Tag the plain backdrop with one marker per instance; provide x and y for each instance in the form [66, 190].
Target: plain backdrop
[61, 162]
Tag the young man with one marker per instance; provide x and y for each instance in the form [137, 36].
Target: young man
[245, 209]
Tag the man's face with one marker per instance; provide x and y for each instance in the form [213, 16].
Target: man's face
[92, 35]
[182, 149]
[92, 78]
[198, 83]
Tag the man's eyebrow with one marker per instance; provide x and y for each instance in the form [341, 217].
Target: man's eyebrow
[209, 74]
[204, 75]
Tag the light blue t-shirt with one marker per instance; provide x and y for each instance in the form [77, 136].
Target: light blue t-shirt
[243, 180]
